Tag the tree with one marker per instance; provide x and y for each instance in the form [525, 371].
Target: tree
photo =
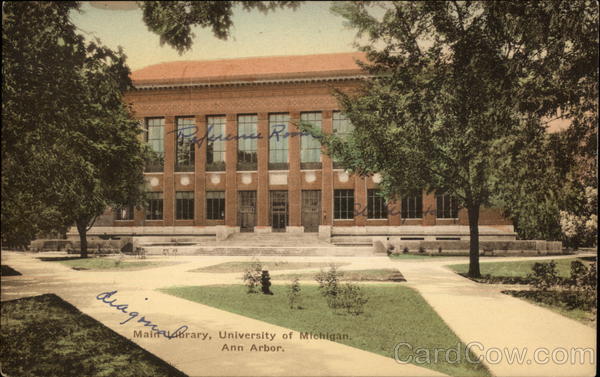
[453, 83]
[70, 146]
[173, 20]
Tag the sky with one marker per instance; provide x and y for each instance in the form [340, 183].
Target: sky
[310, 29]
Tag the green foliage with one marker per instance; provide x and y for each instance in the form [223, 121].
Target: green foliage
[295, 294]
[329, 285]
[70, 146]
[173, 20]
[544, 275]
[458, 89]
[252, 276]
[351, 298]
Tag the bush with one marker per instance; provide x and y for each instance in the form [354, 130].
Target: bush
[252, 276]
[544, 275]
[294, 294]
[351, 298]
[405, 250]
[421, 250]
[328, 285]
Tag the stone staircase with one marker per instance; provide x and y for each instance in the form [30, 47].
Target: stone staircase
[259, 244]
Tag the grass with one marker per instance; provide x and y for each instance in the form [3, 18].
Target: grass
[8, 271]
[536, 297]
[382, 274]
[46, 336]
[518, 269]
[394, 314]
[229, 267]
[106, 264]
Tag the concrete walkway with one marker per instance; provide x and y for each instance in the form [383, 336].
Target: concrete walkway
[477, 313]
[194, 356]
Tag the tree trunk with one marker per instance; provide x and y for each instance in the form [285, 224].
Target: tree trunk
[82, 229]
[473, 210]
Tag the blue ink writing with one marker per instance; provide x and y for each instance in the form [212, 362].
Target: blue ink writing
[104, 297]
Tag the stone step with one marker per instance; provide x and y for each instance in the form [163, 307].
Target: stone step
[250, 251]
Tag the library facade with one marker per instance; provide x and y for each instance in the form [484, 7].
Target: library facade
[230, 157]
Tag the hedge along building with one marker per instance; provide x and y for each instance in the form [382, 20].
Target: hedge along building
[229, 157]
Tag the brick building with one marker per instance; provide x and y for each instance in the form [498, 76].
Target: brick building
[229, 156]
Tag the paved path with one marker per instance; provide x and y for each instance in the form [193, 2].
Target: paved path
[492, 321]
[194, 357]
[475, 312]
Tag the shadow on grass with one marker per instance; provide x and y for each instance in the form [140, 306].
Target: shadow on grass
[58, 259]
[46, 336]
[8, 271]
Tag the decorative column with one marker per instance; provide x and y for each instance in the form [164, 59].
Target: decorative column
[262, 187]
[294, 175]
[169, 185]
[200, 172]
[231, 171]
[327, 175]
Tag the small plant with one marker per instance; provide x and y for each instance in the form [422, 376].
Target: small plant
[544, 275]
[328, 285]
[421, 250]
[265, 283]
[440, 250]
[252, 276]
[352, 299]
[294, 294]
[405, 250]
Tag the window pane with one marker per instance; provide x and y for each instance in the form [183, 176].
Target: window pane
[342, 128]
[154, 208]
[185, 149]
[247, 150]
[310, 148]
[215, 146]
[215, 205]
[343, 204]
[278, 141]
[155, 139]
[376, 206]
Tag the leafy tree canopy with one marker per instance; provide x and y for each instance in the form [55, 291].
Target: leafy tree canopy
[458, 89]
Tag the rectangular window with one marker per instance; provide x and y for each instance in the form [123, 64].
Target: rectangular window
[310, 148]
[342, 128]
[376, 205]
[343, 204]
[412, 207]
[278, 141]
[215, 205]
[447, 207]
[154, 209]
[124, 213]
[184, 205]
[247, 155]
[215, 146]
[184, 159]
[155, 138]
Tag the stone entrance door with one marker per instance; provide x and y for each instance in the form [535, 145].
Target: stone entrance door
[247, 210]
[311, 210]
[278, 210]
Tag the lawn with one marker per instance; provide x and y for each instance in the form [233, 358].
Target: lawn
[46, 336]
[518, 269]
[229, 267]
[382, 274]
[394, 314]
[538, 298]
[105, 264]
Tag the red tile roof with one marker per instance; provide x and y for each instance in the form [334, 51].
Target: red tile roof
[250, 69]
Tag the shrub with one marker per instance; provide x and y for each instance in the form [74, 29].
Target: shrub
[405, 250]
[294, 294]
[421, 250]
[544, 275]
[252, 276]
[351, 298]
[328, 285]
